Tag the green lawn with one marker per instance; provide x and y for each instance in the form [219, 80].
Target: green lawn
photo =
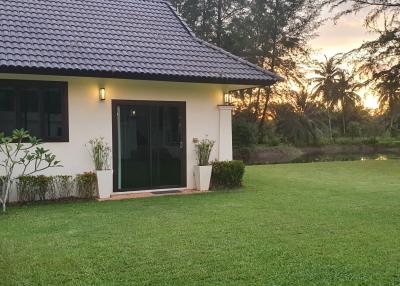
[299, 224]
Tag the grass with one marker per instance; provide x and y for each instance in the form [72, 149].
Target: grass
[296, 224]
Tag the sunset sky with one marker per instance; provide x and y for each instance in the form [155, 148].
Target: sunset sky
[348, 33]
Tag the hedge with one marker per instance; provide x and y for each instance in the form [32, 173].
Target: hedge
[227, 174]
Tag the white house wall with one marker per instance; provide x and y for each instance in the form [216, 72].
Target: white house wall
[90, 118]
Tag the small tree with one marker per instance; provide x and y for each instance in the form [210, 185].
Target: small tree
[21, 155]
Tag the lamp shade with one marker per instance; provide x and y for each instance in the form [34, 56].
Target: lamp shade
[102, 93]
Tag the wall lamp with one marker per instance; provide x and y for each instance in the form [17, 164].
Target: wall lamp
[227, 98]
[102, 94]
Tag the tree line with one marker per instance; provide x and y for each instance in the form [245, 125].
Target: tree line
[319, 100]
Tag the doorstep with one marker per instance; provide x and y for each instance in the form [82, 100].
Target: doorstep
[156, 193]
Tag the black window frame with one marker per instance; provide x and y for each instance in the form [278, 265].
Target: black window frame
[17, 85]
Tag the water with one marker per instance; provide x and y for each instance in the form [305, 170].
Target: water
[344, 157]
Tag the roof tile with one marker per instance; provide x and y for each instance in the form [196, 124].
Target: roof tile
[133, 37]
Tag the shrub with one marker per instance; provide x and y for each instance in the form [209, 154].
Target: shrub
[32, 188]
[26, 189]
[51, 191]
[42, 186]
[63, 187]
[86, 185]
[227, 174]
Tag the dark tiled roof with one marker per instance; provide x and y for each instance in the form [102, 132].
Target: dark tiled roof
[141, 39]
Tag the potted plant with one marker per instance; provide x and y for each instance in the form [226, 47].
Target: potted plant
[202, 172]
[100, 152]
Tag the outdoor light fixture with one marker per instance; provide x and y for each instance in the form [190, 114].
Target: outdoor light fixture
[102, 93]
[227, 98]
[132, 113]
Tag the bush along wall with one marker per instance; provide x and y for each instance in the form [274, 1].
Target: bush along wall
[63, 187]
[33, 188]
[86, 185]
[41, 188]
[26, 189]
[227, 174]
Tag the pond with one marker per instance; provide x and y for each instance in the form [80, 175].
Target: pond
[309, 158]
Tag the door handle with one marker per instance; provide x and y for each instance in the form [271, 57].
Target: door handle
[181, 144]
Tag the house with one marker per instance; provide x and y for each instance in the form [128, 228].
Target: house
[130, 71]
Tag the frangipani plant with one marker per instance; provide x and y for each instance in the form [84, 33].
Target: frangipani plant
[21, 155]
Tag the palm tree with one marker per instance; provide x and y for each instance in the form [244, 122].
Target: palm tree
[327, 75]
[335, 88]
[346, 95]
[298, 119]
[389, 95]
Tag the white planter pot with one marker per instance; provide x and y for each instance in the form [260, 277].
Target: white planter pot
[105, 183]
[202, 175]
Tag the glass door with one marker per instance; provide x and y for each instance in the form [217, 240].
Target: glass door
[149, 145]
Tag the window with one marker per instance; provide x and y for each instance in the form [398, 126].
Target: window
[37, 106]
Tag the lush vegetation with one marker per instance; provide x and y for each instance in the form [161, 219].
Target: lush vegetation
[319, 101]
[298, 224]
[327, 111]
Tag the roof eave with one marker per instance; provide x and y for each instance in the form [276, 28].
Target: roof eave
[136, 76]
